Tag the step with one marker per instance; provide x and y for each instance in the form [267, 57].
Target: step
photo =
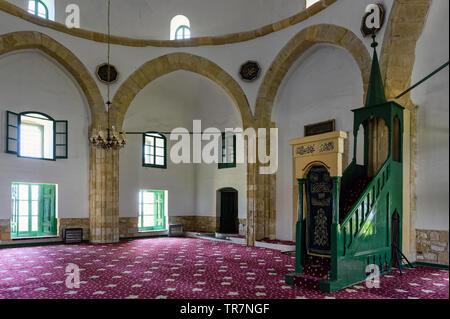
[313, 273]
[308, 281]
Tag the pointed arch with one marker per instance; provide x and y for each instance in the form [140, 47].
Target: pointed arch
[305, 39]
[170, 63]
[24, 40]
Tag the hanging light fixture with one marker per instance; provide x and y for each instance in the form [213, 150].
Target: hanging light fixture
[109, 139]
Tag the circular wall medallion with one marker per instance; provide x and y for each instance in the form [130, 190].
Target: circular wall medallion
[102, 73]
[250, 71]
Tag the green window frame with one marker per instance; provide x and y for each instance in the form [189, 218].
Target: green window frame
[228, 151]
[33, 210]
[14, 121]
[183, 32]
[154, 150]
[152, 210]
[34, 6]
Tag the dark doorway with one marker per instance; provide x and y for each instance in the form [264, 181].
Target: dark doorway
[229, 223]
[395, 237]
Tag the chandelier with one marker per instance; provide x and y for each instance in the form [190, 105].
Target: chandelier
[109, 138]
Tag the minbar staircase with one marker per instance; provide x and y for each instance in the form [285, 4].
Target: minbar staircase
[364, 208]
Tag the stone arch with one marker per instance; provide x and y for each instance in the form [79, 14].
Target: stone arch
[305, 39]
[24, 40]
[171, 63]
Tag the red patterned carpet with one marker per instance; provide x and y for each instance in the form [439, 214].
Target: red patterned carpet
[183, 268]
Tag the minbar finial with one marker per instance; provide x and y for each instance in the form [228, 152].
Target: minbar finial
[374, 37]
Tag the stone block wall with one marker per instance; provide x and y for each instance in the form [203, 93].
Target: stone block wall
[5, 230]
[128, 227]
[432, 246]
[196, 223]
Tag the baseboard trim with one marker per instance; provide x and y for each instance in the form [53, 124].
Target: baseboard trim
[144, 237]
[432, 265]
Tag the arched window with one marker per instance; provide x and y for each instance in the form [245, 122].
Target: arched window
[154, 150]
[42, 8]
[183, 32]
[180, 28]
[36, 135]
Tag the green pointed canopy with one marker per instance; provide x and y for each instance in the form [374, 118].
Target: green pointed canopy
[375, 92]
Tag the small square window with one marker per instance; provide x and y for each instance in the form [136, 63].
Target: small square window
[154, 150]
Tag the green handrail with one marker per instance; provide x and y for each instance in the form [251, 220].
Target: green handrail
[366, 191]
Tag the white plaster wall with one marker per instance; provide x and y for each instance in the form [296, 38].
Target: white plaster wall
[345, 13]
[151, 19]
[30, 81]
[432, 97]
[324, 84]
[219, 113]
[172, 101]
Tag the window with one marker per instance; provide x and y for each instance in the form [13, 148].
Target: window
[42, 8]
[310, 2]
[33, 210]
[152, 207]
[180, 28]
[154, 150]
[36, 135]
[183, 32]
[228, 150]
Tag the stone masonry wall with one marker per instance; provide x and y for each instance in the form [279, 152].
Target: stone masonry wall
[5, 230]
[432, 246]
[128, 227]
[196, 223]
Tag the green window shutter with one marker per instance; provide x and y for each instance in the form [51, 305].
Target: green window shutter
[160, 219]
[61, 139]
[15, 210]
[12, 130]
[48, 219]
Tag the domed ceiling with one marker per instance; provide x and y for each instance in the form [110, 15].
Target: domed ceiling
[150, 19]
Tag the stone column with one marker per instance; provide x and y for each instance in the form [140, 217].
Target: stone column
[251, 203]
[104, 196]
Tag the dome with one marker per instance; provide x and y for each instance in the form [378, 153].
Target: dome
[150, 19]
